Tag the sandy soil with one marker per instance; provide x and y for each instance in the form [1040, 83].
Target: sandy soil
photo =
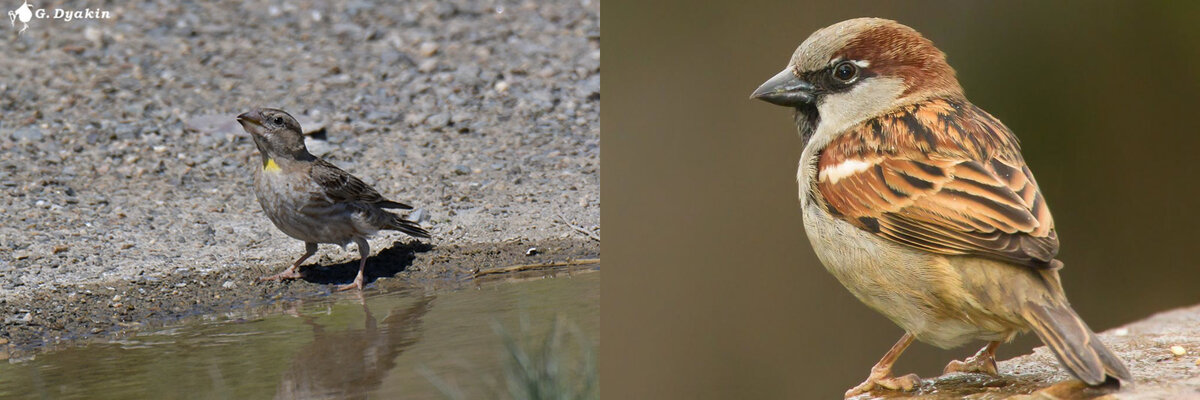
[122, 166]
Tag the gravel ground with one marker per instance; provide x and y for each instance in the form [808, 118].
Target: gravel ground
[65, 315]
[122, 161]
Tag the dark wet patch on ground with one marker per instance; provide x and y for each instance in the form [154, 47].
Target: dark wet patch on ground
[67, 314]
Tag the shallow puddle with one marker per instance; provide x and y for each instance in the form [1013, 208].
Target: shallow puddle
[406, 343]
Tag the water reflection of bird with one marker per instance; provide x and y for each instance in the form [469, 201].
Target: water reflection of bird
[350, 364]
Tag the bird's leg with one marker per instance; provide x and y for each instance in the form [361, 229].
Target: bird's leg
[293, 272]
[364, 250]
[881, 373]
[358, 280]
[983, 362]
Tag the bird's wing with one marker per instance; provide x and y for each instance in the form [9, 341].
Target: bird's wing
[942, 176]
[340, 186]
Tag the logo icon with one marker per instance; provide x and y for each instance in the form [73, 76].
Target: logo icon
[22, 13]
[26, 12]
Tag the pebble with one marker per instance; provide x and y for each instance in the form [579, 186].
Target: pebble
[419, 215]
[428, 49]
[317, 146]
[427, 66]
[391, 57]
[1178, 350]
[21, 318]
[28, 133]
[461, 170]
[438, 120]
[229, 285]
[308, 125]
[213, 124]
[467, 75]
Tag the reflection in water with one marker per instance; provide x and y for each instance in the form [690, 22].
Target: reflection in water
[327, 347]
[350, 364]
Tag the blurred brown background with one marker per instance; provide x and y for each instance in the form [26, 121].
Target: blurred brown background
[713, 290]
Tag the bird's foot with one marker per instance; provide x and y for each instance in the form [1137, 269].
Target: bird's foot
[977, 364]
[357, 284]
[983, 362]
[883, 378]
[286, 275]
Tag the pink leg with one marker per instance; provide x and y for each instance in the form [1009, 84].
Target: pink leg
[364, 250]
[881, 373]
[293, 272]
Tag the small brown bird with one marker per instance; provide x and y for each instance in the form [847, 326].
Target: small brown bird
[312, 200]
[920, 203]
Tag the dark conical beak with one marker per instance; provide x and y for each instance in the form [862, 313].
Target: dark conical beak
[250, 117]
[785, 89]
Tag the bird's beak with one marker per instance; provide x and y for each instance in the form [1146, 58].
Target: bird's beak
[249, 117]
[785, 89]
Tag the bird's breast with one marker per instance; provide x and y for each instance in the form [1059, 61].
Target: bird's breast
[923, 293]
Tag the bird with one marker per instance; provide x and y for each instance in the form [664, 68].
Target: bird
[921, 204]
[313, 200]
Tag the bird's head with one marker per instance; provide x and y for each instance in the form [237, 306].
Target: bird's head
[275, 132]
[858, 69]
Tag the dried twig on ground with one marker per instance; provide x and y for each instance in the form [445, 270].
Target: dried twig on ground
[578, 228]
[529, 267]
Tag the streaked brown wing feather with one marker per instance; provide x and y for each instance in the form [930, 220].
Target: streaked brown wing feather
[942, 176]
[341, 186]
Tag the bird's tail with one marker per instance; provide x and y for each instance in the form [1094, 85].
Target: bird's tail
[1075, 345]
[402, 224]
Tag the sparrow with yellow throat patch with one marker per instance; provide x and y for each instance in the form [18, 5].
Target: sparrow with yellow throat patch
[921, 205]
[312, 200]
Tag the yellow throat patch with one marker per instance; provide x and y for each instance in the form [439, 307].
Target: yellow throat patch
[271, 166]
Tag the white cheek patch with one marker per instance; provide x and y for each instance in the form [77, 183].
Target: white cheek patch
[868, 99]
[833, 173]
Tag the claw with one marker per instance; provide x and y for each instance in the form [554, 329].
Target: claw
[983, 362]
[884, 380]
[357, 284]
[286, 275]
[292, 272]
[363, 251]
[881, 373]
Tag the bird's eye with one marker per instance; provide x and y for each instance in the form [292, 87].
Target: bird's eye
[845, 71]
[277, 120]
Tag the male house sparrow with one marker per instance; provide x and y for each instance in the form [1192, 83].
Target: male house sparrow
[312, 200]
[920, 203]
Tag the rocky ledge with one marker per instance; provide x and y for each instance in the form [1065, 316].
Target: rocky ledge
[1162, 352]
